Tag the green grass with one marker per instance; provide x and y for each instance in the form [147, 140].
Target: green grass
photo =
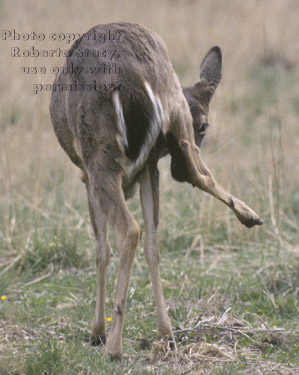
[225, 286]
[230, 298]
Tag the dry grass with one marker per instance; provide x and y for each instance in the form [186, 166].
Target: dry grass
[230, 330]
[247, 33]
[196, 357]
[251, 147]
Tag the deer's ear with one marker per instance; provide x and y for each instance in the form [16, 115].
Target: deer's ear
[211, 68]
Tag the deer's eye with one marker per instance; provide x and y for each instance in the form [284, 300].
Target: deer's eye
[203, 128]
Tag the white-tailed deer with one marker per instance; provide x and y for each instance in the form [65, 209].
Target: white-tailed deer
[117, 107]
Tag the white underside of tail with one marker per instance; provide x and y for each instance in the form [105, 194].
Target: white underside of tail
[122, 138]
[156, 125]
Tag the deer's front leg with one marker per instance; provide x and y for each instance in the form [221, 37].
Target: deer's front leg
[149, 194]
[189, 166]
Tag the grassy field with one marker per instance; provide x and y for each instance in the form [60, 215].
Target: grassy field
[232, 293]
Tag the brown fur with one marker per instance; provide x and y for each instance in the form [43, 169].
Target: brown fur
[88, 125]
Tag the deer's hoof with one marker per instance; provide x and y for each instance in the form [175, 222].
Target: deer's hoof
[171, 342]
[97, 340]
[252, 222]
[114, 357]
[144, 343]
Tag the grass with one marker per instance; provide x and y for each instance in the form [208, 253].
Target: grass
[234, 308]
[230, 303]
[232, 293]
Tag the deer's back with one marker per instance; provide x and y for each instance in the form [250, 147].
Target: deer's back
[134, 78]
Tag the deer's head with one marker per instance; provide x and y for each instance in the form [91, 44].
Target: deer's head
[200, 94]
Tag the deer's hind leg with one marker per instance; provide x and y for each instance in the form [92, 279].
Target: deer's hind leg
[103, 251]
[149, 194]
[105, 188]
[188, 165]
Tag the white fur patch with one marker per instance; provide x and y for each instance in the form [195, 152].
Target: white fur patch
[156, 125]
[156, 103]
[120, 118]
[158, 116]
[77, 149]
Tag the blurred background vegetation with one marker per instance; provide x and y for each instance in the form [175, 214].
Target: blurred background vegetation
[251, 148]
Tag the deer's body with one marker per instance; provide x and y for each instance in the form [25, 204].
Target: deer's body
[117, 135]
[134, 113]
